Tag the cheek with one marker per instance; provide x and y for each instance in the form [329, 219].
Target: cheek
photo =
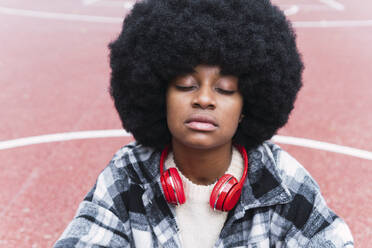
[233, 113]
[173, 112]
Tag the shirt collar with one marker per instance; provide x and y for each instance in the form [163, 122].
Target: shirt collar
[263, 187]
[264, 184]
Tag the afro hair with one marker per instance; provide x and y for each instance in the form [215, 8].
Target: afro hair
[163, 39]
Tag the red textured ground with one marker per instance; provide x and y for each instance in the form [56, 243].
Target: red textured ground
[54, 78]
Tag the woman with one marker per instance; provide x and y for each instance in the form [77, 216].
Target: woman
[202, 85]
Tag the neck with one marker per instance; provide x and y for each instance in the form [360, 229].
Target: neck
[202, 166]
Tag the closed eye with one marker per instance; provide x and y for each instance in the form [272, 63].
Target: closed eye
[184, 88]
[225, 92]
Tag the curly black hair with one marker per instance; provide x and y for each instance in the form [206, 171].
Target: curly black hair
[163, 39]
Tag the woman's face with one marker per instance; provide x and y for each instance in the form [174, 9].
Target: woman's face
[203, 108]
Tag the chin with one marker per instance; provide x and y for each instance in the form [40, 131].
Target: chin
[202, 143]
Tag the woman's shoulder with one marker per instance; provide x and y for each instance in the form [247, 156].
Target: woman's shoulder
[290, 169]
[131, 153]
[308, 210]
[136, 161]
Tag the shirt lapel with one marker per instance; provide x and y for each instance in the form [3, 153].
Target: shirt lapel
[160, 214]
[263, 187]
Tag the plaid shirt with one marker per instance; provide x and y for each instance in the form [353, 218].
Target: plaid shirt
[280, 206]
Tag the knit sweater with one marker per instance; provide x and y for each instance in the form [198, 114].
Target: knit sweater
[199, 225]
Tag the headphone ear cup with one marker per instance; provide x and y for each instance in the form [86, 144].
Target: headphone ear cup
[163, 180]
[232, 198]
[221, 193]
[172, 186]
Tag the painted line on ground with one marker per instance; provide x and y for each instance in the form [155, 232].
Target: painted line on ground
[48, 138]
[333, 4]
[291, 10]
[115, 4]
[104, 19]
[89, 2]
[60, 16]
[319, 145]
[332, 24]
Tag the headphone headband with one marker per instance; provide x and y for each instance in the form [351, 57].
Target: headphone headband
[225, 194]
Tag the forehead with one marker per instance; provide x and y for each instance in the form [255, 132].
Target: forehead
[213, 72]
[205, 70]
[212, 69]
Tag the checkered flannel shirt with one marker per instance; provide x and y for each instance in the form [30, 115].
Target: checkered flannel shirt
[280, 206]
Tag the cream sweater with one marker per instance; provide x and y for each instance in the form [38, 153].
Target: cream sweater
[199, 225]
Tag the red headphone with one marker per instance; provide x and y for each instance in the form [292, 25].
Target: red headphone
[225, 193]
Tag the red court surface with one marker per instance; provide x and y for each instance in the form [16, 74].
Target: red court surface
[54, 77]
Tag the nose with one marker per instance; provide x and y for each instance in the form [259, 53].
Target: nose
[204, 98]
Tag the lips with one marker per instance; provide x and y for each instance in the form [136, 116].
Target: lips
[201, 122]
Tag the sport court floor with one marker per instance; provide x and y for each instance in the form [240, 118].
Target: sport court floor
[54, 76]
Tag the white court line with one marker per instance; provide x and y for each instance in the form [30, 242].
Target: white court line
[103, 19]
[89, 2]
[128, 5]
[333, 4]
[332, 24]
[114, 4]
[319, 145]
[8, 144]
[292, 10]
[60, 16]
